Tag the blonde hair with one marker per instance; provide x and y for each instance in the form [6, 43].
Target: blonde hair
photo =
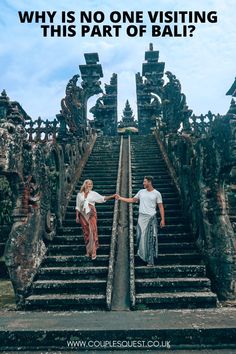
[82, 189]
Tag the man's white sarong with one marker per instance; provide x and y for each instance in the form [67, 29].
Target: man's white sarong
[147, 237]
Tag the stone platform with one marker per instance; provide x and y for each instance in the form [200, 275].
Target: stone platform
[200, 329]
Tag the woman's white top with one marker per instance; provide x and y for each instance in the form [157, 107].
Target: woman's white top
[82, 203]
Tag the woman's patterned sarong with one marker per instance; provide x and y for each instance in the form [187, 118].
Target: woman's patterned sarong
[89, 227]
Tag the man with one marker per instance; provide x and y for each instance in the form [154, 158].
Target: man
[147, 241]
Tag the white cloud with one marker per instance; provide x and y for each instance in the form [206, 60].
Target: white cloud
[34, 70]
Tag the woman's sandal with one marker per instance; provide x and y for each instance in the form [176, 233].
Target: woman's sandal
[94, 256]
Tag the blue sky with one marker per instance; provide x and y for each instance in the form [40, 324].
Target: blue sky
[35, 70]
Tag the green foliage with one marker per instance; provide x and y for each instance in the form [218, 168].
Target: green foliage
[6, 204]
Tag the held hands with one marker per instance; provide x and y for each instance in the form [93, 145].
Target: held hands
[117, 197]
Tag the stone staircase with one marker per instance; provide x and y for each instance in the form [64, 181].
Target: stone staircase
[67, 278]
[178, 279]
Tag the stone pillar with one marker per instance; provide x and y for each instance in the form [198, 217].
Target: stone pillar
[105, 109]
[149, 90]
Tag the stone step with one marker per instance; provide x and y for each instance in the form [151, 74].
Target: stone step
[159, 174]
[85, 286]
[171, 271]
[193, 258]
[153, 157]
[205, 331]
[100, 168]
[175, 247]
[163, 182]
[61, 302]
[77, 230]
[139, 145]
[149, 285]
[99, 149]
[153, 169]
[75, 249]
[142, 167]
[59, 240]
[75, 261]
[162, 177]
[103, 158]
[138, 172]
[147, 164]
[99, 178]
[55, 273]
[162, 238]
[176, 300]
[169, 219]
[101, 222]
[178, 237]
[152, 164]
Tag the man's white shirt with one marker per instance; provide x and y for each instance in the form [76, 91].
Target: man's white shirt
[148, 201]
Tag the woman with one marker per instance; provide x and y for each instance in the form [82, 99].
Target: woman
[86, 214]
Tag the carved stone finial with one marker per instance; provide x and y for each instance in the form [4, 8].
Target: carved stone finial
[232, 90]
[128, 117]
[4, 96]
[15, 117]
[232, 108]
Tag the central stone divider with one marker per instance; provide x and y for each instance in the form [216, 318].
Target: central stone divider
[110, 277]
[131, 237]
[120, 298]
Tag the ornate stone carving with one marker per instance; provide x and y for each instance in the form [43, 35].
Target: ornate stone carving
[74, 105]
[128, 120]
[149, 89]
[105, 109]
